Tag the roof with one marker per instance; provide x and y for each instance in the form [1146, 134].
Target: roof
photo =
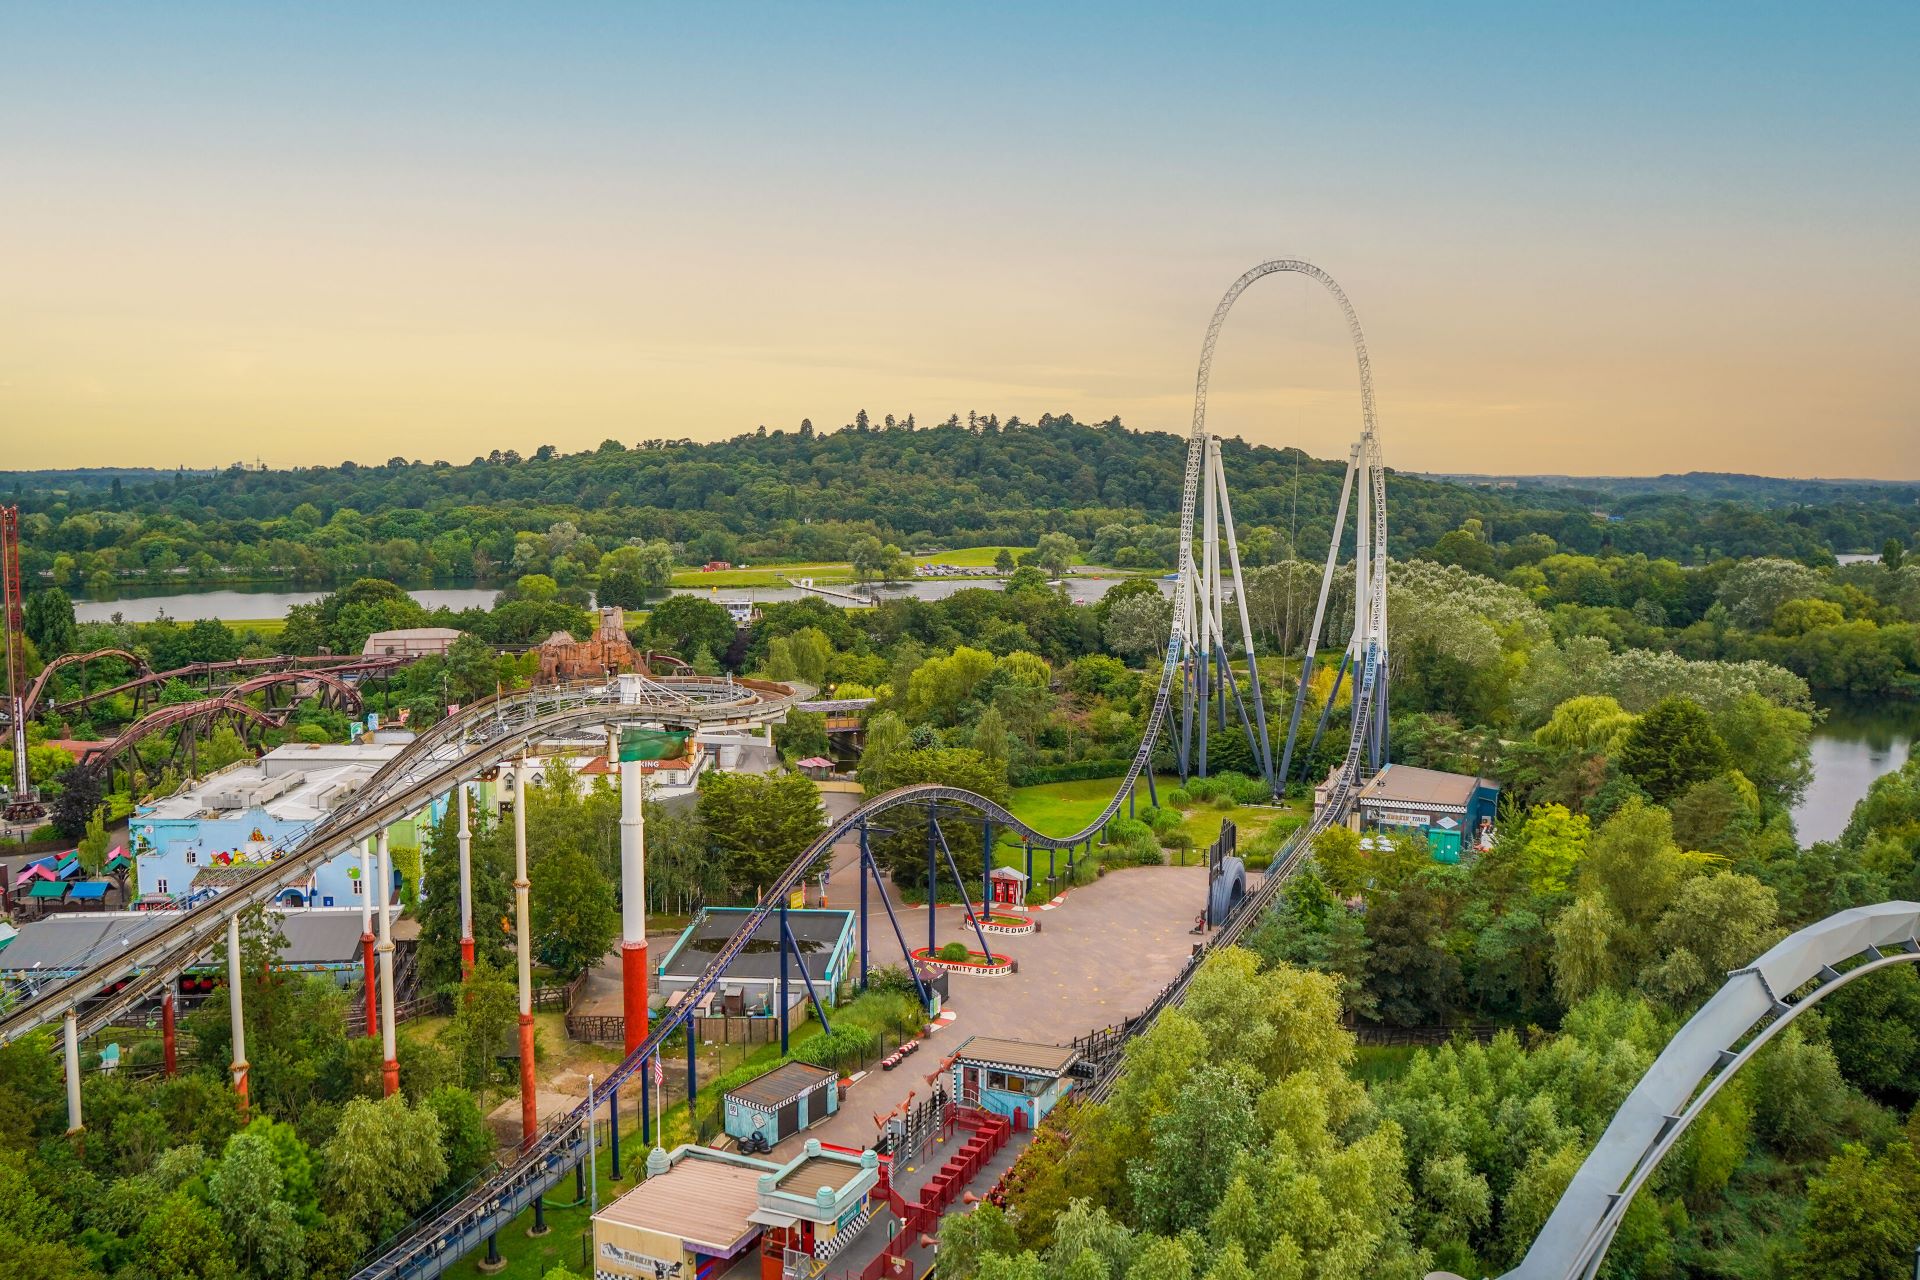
[702, 1201]
[780, 1086]
[1018, 1055]
[816, 762]
[61, 943]
[417, 633]
[816, 932]
[48, 889]
[815, 1172]
[87, 890]
[1404, 784]
[1007, 873]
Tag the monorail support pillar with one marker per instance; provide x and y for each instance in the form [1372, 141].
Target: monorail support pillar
[465, 834]
[633, 902]
[72, 1042]
[523, 946]
[233, 1009]
[169, 1043]
[367, 979]
[390, 1062]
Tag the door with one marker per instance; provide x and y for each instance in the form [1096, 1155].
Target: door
[788, 1120]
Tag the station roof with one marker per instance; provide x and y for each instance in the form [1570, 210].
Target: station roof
[815, 932]
[62, 943]
[48, 889]
[1404, 784]
[1017, 1055]
[780, 1086]
[706, 1203]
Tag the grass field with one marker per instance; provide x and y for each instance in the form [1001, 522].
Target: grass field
[1061, 808]
[266, 627]
[768, 575]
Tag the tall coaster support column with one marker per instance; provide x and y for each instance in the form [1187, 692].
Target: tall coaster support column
[390, 1061]
[233, 1010]
[523, 946]
[367, 978]
[466, 886]
[70, 1034]
[633, 900]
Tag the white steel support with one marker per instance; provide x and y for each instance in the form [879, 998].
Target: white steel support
[633, 902]
[71, 1034]
[367, 962]
[523, 946]
[390, 1064]
[1263, 749]
[234, 1010]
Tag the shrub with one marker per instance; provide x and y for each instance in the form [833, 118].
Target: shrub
[1127, 830]
[953, 952]
[891, 979]
[1160, 820]
[1178, 798]
[1177, 840]
[1202, 789]
[1225, 800]
[1243, 788]
[844, 1046]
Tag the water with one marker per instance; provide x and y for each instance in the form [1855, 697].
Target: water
[1852, 747]
[235, 604]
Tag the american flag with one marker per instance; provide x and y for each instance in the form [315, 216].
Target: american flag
[659, 1072]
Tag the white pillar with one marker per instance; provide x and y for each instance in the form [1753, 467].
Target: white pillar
[466, 886]
[72, 1030]
[390, 1068]
[366, 887]
[234, 1010]
[523, 945]
[633, 903]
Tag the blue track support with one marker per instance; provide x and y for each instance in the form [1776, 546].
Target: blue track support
[693, 1081]
[1260, 718]
[786, 994]
[873, 868]
[1293, 721]
[646, 1103]
[1186, 716]
[862, 873]
[933, 883]
[1153, 793]
[819, 1009]
[1029, 866]
[1246, 726]
[954, 867]
[613, 1116]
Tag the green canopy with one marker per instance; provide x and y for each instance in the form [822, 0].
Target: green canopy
[48, 889]
[651, 744]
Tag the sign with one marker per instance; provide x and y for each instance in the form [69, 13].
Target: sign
[651, 744]
[643, 1264]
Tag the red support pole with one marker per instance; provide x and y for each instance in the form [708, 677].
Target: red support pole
[633, 991]
[366, 973]
[529, 1107]
[167, 1039]
[466, 959]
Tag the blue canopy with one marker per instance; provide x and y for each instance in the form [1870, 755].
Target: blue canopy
[87, 890]
[67, 870]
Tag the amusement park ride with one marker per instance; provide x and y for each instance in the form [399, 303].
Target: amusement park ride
[23, 802]
[1196, 669]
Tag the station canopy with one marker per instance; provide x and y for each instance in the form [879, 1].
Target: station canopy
[48, 889]
[87, 890]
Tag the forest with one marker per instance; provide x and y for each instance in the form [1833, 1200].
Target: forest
[808, 495]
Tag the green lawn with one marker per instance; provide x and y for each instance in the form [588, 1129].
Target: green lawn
[1061, 808]
[768, 575]
[265, 627]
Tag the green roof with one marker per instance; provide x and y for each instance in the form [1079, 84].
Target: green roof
[48, 889]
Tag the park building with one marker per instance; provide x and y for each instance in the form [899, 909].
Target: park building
[411, 642]
[1454, 811]
[751, 985]
[702, 1214]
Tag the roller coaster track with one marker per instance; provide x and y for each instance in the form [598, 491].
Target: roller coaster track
[366, 664]
[38, 689]
[230, 703]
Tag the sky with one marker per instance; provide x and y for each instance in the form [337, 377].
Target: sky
[1619, 239]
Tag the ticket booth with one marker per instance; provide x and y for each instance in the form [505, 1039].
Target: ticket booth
[1009, 886]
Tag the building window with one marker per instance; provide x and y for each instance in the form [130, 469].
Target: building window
[356, 886]
[160, 886]
[193, 857]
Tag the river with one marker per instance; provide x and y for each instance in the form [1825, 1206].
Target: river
[1855, 744]
[238, 604]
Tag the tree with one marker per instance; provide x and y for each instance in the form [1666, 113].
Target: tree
[1055, 553]
[465, 1140]
[687, 624]
[1671, 747]
[245, 1189]
[1137, 626]
[757, 824]
[1193, 1149]
[1717, 923]
[1003, 560]
[1863, 1214]
[574, 917]
[630, 575]
[472, 669]
[381, 1166]
[1410, 971]
[483, 1020]
[490, 892]
[48, 621]
[1550, 846]
[1892, 554]
[874, 561]
[81, 793]
[183, 1239]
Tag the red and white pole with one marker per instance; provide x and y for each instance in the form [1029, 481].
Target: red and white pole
[523, 944]
[466, 887]
[633, 903]
[169, 1042]
[366, 936]
[390, 1063]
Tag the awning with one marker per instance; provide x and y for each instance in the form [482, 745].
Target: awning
[87, 890]
[772, 1218]
[48, 889]
[34, 872]
[120, 863]
[67, 870]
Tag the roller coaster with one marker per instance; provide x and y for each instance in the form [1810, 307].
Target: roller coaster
[1195, 671]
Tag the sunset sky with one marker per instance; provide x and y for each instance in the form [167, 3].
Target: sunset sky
[1613, 239]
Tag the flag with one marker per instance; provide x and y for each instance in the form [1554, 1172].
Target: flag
[659, 1073]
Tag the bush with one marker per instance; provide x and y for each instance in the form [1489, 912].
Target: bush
[1243, 788]
[1178, 798]
[1177, 840]
[1202, 789]
[1225, 800]
[844, 1046]
[1127, 830]
[1132, 855]
[1160, 820]
[891, 979]
[953, 952]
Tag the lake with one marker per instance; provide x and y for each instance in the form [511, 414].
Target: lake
[234, 604]
[1854, 745]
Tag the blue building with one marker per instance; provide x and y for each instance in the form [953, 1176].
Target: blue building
[1012, 1078]
[1452, 810]
[779, 1104]
[247, 812]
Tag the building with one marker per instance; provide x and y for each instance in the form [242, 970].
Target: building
[700, 1212]
[45, 953]
[1447, 808]
[1012, 1078]
[562, 658]
[246, 812]
[771, 1108]
[751, 985]
[411, 642]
